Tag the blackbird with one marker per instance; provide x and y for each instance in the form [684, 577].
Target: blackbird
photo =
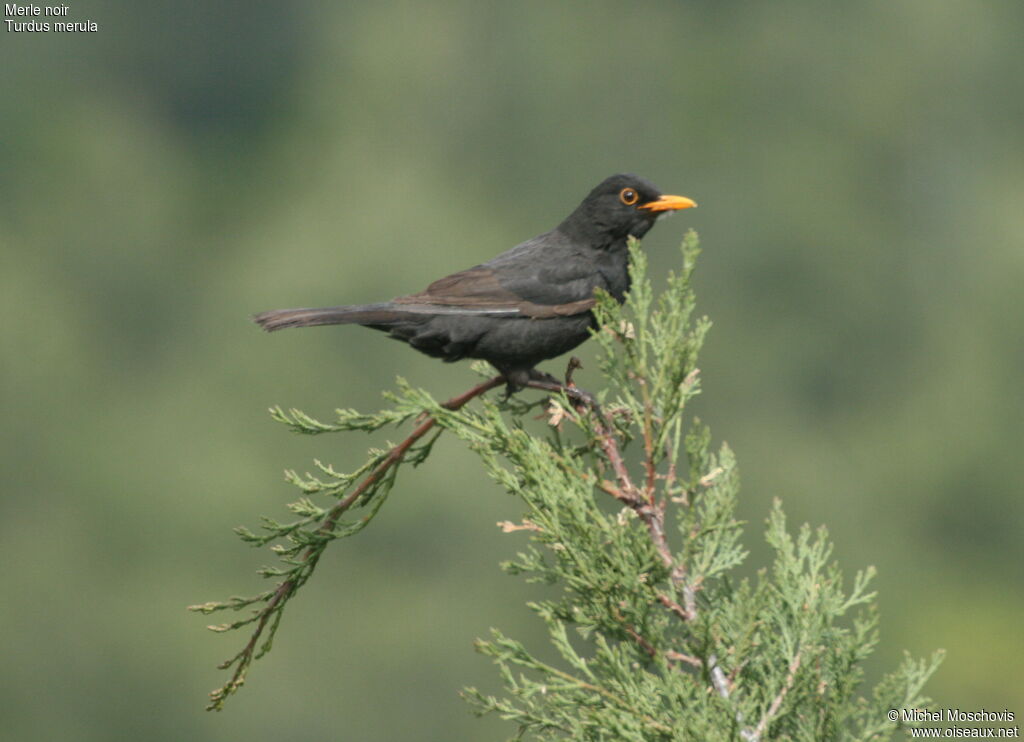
[528, 304]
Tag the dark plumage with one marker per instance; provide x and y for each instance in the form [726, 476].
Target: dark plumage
[526, 305]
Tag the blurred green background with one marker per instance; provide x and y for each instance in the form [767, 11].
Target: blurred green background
[860, 171]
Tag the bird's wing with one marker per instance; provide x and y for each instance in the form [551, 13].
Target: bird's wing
[522, 282]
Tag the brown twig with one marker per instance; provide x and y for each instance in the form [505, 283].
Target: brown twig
[653, 516]
[648, 441]
[574, 364]
[677, 609]
[650, 649]
[645, 645]
[773, 709]
[687, 658]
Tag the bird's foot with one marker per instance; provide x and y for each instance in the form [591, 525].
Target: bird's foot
[547, 382]
[532, 378]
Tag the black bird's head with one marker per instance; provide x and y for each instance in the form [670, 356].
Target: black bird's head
[619, 207]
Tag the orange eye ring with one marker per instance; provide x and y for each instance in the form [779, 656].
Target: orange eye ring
[629, 196]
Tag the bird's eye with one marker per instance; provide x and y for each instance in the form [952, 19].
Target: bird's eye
[628, 196]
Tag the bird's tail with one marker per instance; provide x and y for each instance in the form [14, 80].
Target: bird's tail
[361, 314]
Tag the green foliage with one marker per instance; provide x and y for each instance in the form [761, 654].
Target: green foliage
[631, 515]
[656, 639]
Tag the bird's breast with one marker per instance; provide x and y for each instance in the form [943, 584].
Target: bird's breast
[614, 269]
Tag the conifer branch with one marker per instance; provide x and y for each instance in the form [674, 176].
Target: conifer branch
[652, 513]
[658, 614]
[274, 600]
[656, 639]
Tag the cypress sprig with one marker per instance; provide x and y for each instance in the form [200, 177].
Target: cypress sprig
[629, 511]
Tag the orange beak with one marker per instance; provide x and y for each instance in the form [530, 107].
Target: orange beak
[669, 203]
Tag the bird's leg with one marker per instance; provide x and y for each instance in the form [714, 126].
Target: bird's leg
[548, 383]
[532, 378]
[517, 379]
[535, 374]
[514, 382]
